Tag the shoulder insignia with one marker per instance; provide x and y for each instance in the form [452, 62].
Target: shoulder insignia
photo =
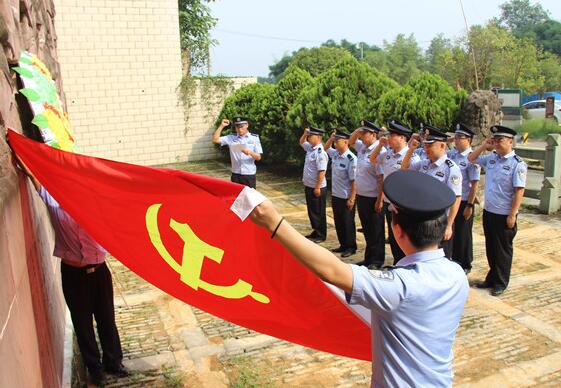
[439, 174]
[254, 134]
[455, 179]
[319, 150]
[382, 274]
[449, 163]
[350, 156]
[518, 158]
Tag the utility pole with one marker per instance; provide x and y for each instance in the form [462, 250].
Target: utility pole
[471, 47]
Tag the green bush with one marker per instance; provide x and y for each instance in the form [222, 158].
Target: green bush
[340, 97]
[426, 98]
[539, 128]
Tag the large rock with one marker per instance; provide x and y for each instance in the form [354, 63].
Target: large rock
[481, 110]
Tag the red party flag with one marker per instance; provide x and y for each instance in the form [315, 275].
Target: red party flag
[178, 231]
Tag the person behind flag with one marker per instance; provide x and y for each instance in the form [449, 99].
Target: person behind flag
[439, 166]
[505, 181]
[389, 162]
[315, 185]
[245, 149]
[343, 191]
[415, 306]
[88, 290]
[368, 181]
[463, 224]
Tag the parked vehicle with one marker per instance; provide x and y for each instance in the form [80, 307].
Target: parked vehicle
[536, 110]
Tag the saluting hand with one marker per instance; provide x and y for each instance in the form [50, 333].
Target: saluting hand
[225, 122]
[384, 140]
[414, 143]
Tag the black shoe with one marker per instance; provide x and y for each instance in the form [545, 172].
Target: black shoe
[497, 290]
[98, 378]
[119, 371]
[363, 263]
[311, 235]
[318, 239]
[348, 252]
[482, 285]
[467, 270]
[338, 250]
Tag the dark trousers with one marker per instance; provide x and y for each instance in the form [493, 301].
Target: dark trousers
[373, 227]
[344, 223]
[397, 253]
[498, 247]
[91, 295]
[316, 211]
[246, 180]
[463, 238]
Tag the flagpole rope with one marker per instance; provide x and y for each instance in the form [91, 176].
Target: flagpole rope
[119, 285]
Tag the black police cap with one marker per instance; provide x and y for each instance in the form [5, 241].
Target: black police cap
[238, 120]
[433, 134]
[462, 129]
[499, 130]
[340, 134]
[431, 198]
[366, 125]
[399, 128]
[316, 131]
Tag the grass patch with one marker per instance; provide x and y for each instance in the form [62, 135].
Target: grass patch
[172, 378]
[244, 373]
[539, 128]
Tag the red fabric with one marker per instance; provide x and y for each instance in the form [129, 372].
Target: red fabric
[110, 201]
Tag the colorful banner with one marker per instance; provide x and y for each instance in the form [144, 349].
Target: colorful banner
[40, 90]
[177, 231]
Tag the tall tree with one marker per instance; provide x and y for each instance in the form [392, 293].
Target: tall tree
[404, 58]
[195, 23]
[520, 16]
[314, 60]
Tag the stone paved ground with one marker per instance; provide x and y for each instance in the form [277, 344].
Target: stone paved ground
[510, 341]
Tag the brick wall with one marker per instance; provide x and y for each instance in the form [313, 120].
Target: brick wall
[121, 65]
[32, 310]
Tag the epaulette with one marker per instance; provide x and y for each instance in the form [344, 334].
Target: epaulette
[350, 156]
[449, 163]
[320, 149]
[518, 158]
[254, 134]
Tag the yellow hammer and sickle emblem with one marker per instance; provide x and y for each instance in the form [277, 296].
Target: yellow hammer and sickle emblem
[194, 252]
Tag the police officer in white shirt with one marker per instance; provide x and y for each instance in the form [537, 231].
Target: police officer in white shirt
[440, 167]
[315, 185]
[343, 191]
[389, 162]
[417, 305]
[505, 180]
[245, 149]
[368, 183]
[463, 224]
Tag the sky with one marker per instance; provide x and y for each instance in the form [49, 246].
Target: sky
[254, 34]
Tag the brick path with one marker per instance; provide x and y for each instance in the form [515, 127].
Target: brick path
[510, 341]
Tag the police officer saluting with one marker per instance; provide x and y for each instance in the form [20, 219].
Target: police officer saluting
[390, 162]
[440, 167]
[343, 191]
[315, 185]
[416, 306]
[463, 224]
[505, 180]
[245, 149]
[368, 182]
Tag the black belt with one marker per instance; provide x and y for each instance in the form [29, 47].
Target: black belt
[90, 268]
